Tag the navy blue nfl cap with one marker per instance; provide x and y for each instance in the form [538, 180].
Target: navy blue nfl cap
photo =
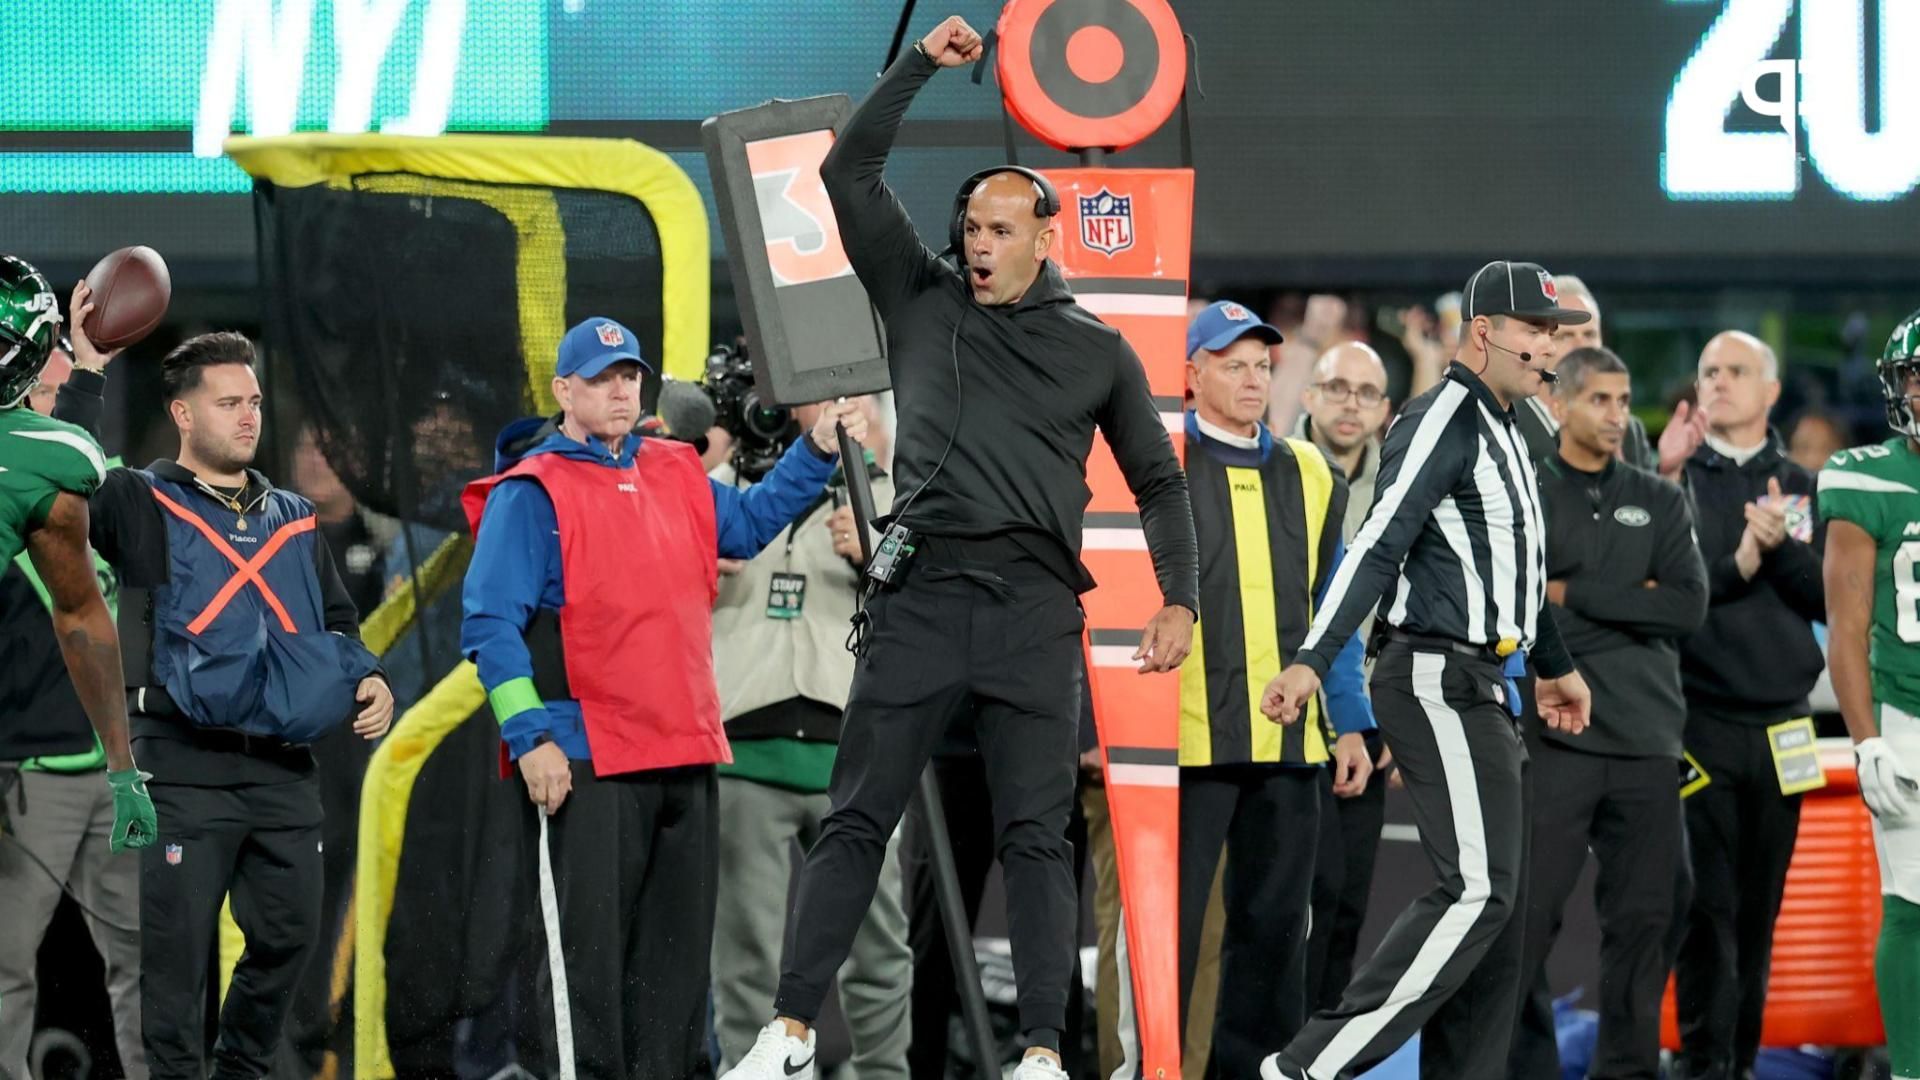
[1224, 322]
[595, 345]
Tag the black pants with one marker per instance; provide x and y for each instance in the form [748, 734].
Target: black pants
[1450, 965]
[261, 844]
[1268, 819]
[1740, 836]
[967, 628]
[1343, 883]
[965, 799]
[626, 884]
[1628, 811]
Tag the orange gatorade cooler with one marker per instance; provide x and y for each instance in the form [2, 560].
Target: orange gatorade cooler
[1821, 988]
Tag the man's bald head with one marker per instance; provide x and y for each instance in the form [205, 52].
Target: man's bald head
[1347, 399]
[1011, 185]
[1739, 381]
[1348, 359]
[1736, 345]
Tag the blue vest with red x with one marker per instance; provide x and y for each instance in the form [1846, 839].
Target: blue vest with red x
[239, 629]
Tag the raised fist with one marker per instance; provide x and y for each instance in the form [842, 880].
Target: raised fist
[953, 43]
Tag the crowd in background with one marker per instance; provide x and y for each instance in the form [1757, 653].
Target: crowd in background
[1336, 379]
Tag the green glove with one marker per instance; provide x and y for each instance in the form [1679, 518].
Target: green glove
[133, 822]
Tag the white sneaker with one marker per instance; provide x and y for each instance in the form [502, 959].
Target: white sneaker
[1272, 1069]
[776, 1055]
[1039, 1067]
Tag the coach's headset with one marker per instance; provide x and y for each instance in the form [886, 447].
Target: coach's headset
[1045, 206]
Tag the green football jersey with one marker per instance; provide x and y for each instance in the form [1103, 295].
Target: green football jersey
[39, 458]
[1878, 489]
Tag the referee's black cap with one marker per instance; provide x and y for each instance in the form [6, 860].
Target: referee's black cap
[1521, 289]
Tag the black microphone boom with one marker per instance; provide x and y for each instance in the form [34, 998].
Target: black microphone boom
[1546, 376]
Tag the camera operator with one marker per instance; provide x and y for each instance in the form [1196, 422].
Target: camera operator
[779, 633]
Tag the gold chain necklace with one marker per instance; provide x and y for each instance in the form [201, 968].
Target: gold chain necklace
[233, 504]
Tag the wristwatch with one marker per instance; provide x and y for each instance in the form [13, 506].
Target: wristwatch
[921, 48]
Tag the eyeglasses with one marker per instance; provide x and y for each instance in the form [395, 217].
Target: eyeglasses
[1339, 390]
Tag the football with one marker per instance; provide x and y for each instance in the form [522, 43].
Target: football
[131, 289]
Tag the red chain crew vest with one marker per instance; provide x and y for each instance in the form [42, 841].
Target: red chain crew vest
[639, 568]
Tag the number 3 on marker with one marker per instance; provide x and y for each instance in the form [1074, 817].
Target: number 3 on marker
[1703, 160]
[803, 241]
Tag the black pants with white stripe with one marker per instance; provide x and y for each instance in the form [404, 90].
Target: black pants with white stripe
[1449, 967]
[627, 883]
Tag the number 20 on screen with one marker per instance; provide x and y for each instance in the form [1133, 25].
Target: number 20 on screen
[1703, 160]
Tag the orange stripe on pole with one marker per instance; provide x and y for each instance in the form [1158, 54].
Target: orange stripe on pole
[1128, 595]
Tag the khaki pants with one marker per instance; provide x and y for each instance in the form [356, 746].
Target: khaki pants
[759, 823]
[65, 820]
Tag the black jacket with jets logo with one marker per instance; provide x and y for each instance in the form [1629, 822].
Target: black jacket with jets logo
[1609, 534]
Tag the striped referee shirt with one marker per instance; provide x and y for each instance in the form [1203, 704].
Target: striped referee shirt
[1454, 546]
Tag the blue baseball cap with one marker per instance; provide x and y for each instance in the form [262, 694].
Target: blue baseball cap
[1223, 323]
[595, 345]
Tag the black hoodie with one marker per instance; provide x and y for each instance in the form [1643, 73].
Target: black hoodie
[1756, 657]
[1035, 378]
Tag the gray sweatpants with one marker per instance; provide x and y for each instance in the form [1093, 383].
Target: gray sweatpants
[65, 820]
[758, 825]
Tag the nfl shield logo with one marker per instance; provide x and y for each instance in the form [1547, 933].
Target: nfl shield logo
[1235, 313]
[1106, 221]
[173, 854]
[610, 335]
[1547, 286]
